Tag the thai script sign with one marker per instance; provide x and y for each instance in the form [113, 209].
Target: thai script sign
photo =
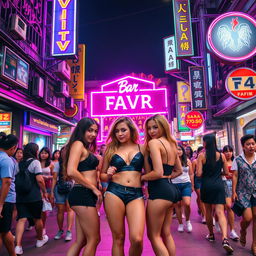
[183, 91]
[128, 96]
[171, 62]
[182, 109]
[194, 120]
[231, 36]
[76, 84]
[183, 28]
[5, 122]
[197, 84]
[64, 28]
[241, 83]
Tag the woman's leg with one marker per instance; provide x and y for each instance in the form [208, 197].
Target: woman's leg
[254, 230]
[208, 216]
[115, 211]
[39, 228]
[155, 215]
[135, 213]
[178, 212]
[166, 233]
[245, 222]
[60, 215]
[230, 213]
[20, 230]
[70, 217]
[219, 211]
[186, 203]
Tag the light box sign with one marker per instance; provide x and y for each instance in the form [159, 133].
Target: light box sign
[64, 27]
[231, 36]
[183, 91]
[183, 28]
[171, 62]
[182, 109]
[129, 96]
[5, 122]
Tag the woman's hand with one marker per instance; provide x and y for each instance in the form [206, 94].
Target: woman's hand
[98, 194]
[111, 171]
[234, 197]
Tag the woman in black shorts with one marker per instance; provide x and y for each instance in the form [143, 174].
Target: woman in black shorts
[163, 165]
[80, 164]
[209, 166]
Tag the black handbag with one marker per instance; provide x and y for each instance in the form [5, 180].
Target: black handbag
[238, 208]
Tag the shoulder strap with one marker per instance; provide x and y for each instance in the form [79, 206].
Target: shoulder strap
[165, 149]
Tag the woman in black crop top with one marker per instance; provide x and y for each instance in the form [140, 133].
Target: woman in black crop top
[163, 165]
[80, 164]
[122, 166]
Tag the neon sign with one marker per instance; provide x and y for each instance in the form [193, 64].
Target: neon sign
[64, 28]
[231, 36]
[128, 96]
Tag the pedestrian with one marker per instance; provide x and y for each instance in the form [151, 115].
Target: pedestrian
[189, 152]
[122, 167]
[8, 145]
[29, 204]
[55, 156]
[184, 183]
[59, 194]
[244, 187]
[18, 155]
[162, 164]
[209, 166]
[80, 165]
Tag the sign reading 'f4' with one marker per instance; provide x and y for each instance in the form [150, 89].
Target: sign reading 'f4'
[64, 28]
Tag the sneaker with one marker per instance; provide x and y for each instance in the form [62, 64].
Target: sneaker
[40, 243]
[180, 228]
[217, 227]
[210, 237]
[18, 250]
[44, 232]
[59, 235]
[174, 215]
[233, 235]
[189, 226]
[227, 246]
[203, 220]
[68, 236]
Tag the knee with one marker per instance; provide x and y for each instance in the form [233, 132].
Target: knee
[187, 204]
[119, 238]
[136, 240]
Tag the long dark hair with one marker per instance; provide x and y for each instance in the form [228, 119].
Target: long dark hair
[8, 141]
[54, 152]
[210, 149]
[30, 151]
[228, 148]
[78, 134]
[48, 159]
[183, 158]
[18, 149]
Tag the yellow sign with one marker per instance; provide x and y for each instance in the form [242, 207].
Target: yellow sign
[76, 84]
[183, 90]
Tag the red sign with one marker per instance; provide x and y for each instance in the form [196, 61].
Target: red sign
[194, 120]
[241, 83]
[71, 112]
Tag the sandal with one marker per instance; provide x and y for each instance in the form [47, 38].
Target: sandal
[243, 237]
[227, 246]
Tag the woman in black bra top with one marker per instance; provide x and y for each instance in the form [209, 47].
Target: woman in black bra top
[80, 164]
[122, 166]
[163, 165]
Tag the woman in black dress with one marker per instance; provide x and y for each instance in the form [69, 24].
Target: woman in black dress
[209, 166]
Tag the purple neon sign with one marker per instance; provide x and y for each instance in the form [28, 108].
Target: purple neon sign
[128, 96]
[64, 28]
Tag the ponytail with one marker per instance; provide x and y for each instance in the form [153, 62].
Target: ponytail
[8, 141]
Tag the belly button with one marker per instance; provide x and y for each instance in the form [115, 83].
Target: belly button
[128, 181]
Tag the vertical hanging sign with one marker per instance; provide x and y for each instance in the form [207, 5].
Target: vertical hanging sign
[171, 62]
[183, 28]
[197, 85]
[64, 28]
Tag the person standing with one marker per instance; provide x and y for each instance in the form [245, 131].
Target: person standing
[8, 145]
[80, 165]
[209, 166]
[244, 186]
[162, 164]
[122, 167]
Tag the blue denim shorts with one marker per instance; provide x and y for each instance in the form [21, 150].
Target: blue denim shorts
[184, 188]
[126, 194]
[60, 198]
[228, 188]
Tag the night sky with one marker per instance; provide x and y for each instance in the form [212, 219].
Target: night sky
[124, 36]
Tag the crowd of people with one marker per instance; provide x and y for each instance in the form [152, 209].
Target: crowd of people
[77, 179]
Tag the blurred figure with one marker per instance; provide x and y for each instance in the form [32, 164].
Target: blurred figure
[189, 152]
[244, 186]
[18, 155]
[8, 145]
[55, 156]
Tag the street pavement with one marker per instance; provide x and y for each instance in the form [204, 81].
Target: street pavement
[193, 243]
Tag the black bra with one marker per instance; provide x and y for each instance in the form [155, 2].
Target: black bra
[90, 163]
[136, 163]
[167, 167]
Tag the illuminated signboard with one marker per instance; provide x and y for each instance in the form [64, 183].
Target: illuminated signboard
[231, 36]
[64, 28]
[15, 69]
[5, 122]
[183, 91]
[197, 84]
[128, 96]
[194, 119]
[183, 28]
[171, 62]
[241, 83]
[182, 109]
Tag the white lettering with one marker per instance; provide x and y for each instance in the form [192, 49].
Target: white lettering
[108, 102]
[120, 103]
[125, 87]
[133, 105]
[145, 100]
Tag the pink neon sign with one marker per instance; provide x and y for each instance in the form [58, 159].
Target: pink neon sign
[128, 96]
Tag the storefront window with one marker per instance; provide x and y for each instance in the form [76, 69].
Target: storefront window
[250, 128]
[40, 140]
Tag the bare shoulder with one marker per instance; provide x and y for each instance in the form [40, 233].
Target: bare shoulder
[201, 156]
[153, 143]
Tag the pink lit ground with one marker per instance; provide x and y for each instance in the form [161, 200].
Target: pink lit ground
[186, 244]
